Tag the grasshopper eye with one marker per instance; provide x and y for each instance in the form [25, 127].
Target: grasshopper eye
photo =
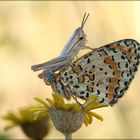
[81, 38]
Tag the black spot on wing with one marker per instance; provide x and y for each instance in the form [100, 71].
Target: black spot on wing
[98, 92]
[87, 94]
[101, 69]
[88, 61]
[65, 74]
[105, 73]
[93, 66]
[102, 100]
[76, 86]
[82, 92]
[122, 57]
[126, 65]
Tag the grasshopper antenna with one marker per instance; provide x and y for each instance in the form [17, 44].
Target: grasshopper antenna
[85, 17]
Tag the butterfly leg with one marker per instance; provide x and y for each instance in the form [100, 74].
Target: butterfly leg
[75, 98]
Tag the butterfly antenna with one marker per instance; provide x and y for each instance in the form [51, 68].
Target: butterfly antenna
[85, 17]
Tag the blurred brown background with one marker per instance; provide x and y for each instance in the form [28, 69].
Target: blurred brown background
[34, 32]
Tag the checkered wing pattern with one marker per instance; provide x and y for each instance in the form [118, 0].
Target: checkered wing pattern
[105, 72]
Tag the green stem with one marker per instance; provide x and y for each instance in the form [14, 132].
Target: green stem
[68, 136]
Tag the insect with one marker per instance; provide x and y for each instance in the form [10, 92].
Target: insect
[105, 72]
[76, 42]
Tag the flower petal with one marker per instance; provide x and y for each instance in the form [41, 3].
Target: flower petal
[42, 102]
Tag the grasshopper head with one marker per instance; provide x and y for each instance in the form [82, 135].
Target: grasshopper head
[77, 41]
[79, 37]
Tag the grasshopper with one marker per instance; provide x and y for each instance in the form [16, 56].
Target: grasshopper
[76, 43]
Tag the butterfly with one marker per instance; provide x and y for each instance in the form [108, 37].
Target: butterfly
[105, 72]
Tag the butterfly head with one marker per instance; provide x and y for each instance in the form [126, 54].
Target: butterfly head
[47, 76]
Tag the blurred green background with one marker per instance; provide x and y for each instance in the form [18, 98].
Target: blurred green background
[34, 32]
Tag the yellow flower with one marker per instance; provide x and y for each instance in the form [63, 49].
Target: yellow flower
[68, 117]
[36, 129]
